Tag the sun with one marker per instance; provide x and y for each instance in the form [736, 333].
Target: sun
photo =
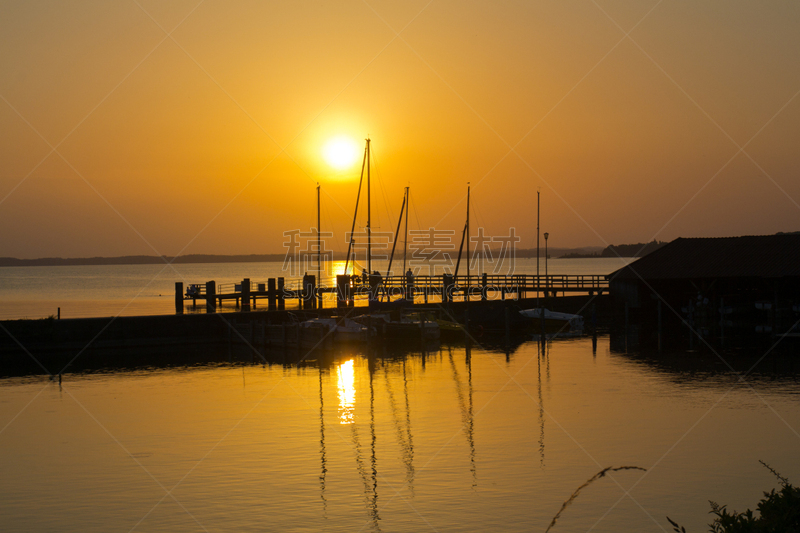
[340, 152]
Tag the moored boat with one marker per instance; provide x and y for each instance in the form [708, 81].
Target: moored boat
[553, 320]
[392, 326]
[342, 329]
[447, 328]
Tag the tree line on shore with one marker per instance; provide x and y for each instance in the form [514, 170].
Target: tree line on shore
[621, 250]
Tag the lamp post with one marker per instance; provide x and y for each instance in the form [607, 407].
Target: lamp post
[546, 278]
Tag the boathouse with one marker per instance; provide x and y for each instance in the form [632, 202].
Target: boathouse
[734, 281]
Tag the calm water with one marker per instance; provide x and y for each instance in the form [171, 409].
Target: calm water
[86, 291]
[397, 442]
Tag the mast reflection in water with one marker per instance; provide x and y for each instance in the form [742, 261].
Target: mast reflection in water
[346, 381]
[450, 441]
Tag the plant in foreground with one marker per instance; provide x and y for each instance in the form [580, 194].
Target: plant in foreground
[589, 481]
[779, 512]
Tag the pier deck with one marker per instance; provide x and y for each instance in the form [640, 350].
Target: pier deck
[421, 289]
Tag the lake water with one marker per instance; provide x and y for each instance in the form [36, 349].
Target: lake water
[390, 441]
[127, 290]
[400, 441]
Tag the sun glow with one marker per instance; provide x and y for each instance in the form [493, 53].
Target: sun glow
[340, 152]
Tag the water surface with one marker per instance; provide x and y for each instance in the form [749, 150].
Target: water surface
[396, 441]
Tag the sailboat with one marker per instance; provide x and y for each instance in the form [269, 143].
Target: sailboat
[553, 321]
[342, 329]
[365, 165]
[543, 319]
[392, 324]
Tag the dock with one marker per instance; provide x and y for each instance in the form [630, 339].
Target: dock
[306, 294]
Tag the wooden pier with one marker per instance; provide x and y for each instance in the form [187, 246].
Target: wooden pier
[348, 291]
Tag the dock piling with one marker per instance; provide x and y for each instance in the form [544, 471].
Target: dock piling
[342, 290]
[178, 298]
[271, 294]
[308, 297]
[245, 295]
[447, 288]
[211, 296]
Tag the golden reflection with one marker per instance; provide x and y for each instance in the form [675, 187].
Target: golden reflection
[346, 380]
[337, 267]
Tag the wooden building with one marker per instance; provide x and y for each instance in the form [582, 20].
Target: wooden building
[751, 281]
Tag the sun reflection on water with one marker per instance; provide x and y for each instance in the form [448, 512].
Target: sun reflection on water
[347, 391]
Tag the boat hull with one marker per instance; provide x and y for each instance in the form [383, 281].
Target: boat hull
[553, 321]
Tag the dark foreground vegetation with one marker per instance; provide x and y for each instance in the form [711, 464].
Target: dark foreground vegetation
[778, 512]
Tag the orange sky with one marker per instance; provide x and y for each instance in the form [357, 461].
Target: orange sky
[210, 140]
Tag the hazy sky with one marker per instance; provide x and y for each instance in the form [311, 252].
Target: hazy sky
[145, 127]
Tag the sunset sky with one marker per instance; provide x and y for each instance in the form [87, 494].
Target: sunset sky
[150, 127]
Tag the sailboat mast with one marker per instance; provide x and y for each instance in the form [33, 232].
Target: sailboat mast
[405, 236]
[468, 254]
[369, 218]
[396, 233]
[319, 249]
[538, 193]
[464, 234]
[355, 215]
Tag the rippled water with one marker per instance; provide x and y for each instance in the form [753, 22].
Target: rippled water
[397, 441]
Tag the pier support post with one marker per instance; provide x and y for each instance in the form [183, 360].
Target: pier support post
[178, 297]
[245, 295]
[342, 290]
[211, 297]
[281, 295]
[375, 281]
[447, 291]
[271, 294]
[484, 285]
[262, 288]
[309, 286]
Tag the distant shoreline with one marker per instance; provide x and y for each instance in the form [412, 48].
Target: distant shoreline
[140, 260]
[213, 258]
[586, 252]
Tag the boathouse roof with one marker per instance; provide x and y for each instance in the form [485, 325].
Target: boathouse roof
[754, 256]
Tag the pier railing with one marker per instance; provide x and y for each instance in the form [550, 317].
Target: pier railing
[422, 289]
[527, 282]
